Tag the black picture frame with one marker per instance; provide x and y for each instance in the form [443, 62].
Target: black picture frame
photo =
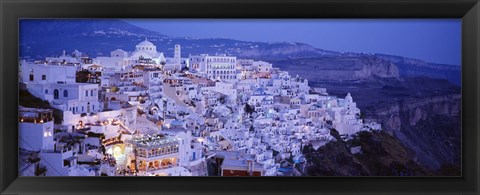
[12, 10]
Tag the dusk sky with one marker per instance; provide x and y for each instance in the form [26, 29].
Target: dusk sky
[431, 40]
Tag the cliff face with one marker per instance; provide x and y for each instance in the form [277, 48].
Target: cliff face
[373, 66]
[389, 117]
[415, 110]
[430, 147]
[422, 113]
[337, 68]
[413, 68]
[430, 126]
[280, 49]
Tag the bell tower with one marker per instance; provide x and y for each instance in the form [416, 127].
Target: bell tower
[177, 57]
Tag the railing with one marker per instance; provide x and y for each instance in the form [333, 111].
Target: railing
[35, 119]
[160, 154]
[161, 167]
[114, 142]
[64, 150]
[84, 129]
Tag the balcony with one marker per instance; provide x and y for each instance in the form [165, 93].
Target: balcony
[34, 115]
[167, 166]
[83, 129]
[156, 166]
[112, 141]
[35, 119]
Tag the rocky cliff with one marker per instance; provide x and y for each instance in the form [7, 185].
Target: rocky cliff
[409, 67]
[337, 68]
[417, 109]
[422, 113]
[430, 126]
[373, 66]
[376, 154]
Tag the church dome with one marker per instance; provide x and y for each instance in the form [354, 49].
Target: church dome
[146, 43]
[146, 49]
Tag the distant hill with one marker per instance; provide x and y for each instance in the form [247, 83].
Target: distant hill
[412, 68]
[40, 38]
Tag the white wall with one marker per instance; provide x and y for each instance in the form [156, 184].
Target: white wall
[54, 163]
[35, 136]
[53, 73]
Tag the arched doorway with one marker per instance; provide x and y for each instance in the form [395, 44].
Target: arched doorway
[55, 94]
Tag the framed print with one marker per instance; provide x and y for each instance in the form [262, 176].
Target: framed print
[240, 97]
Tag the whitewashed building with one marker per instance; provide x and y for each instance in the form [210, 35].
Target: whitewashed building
[221, 67]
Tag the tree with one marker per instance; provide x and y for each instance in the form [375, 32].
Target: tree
[114, 89]
[28, 100]
[57, 116]
[222, 100]
[249, 109]
[103, 149]
[252, 128]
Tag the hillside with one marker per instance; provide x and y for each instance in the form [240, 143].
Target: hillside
[368, 153]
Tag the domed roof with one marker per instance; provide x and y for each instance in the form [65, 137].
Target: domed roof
[146, 43]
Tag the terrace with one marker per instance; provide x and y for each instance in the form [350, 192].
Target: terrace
[59, 149]
[156, 165]
[35, 115]
[155, 145]
[112, 141]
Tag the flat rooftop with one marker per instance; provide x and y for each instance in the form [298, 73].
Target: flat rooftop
[154, 141]
[240, 165]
